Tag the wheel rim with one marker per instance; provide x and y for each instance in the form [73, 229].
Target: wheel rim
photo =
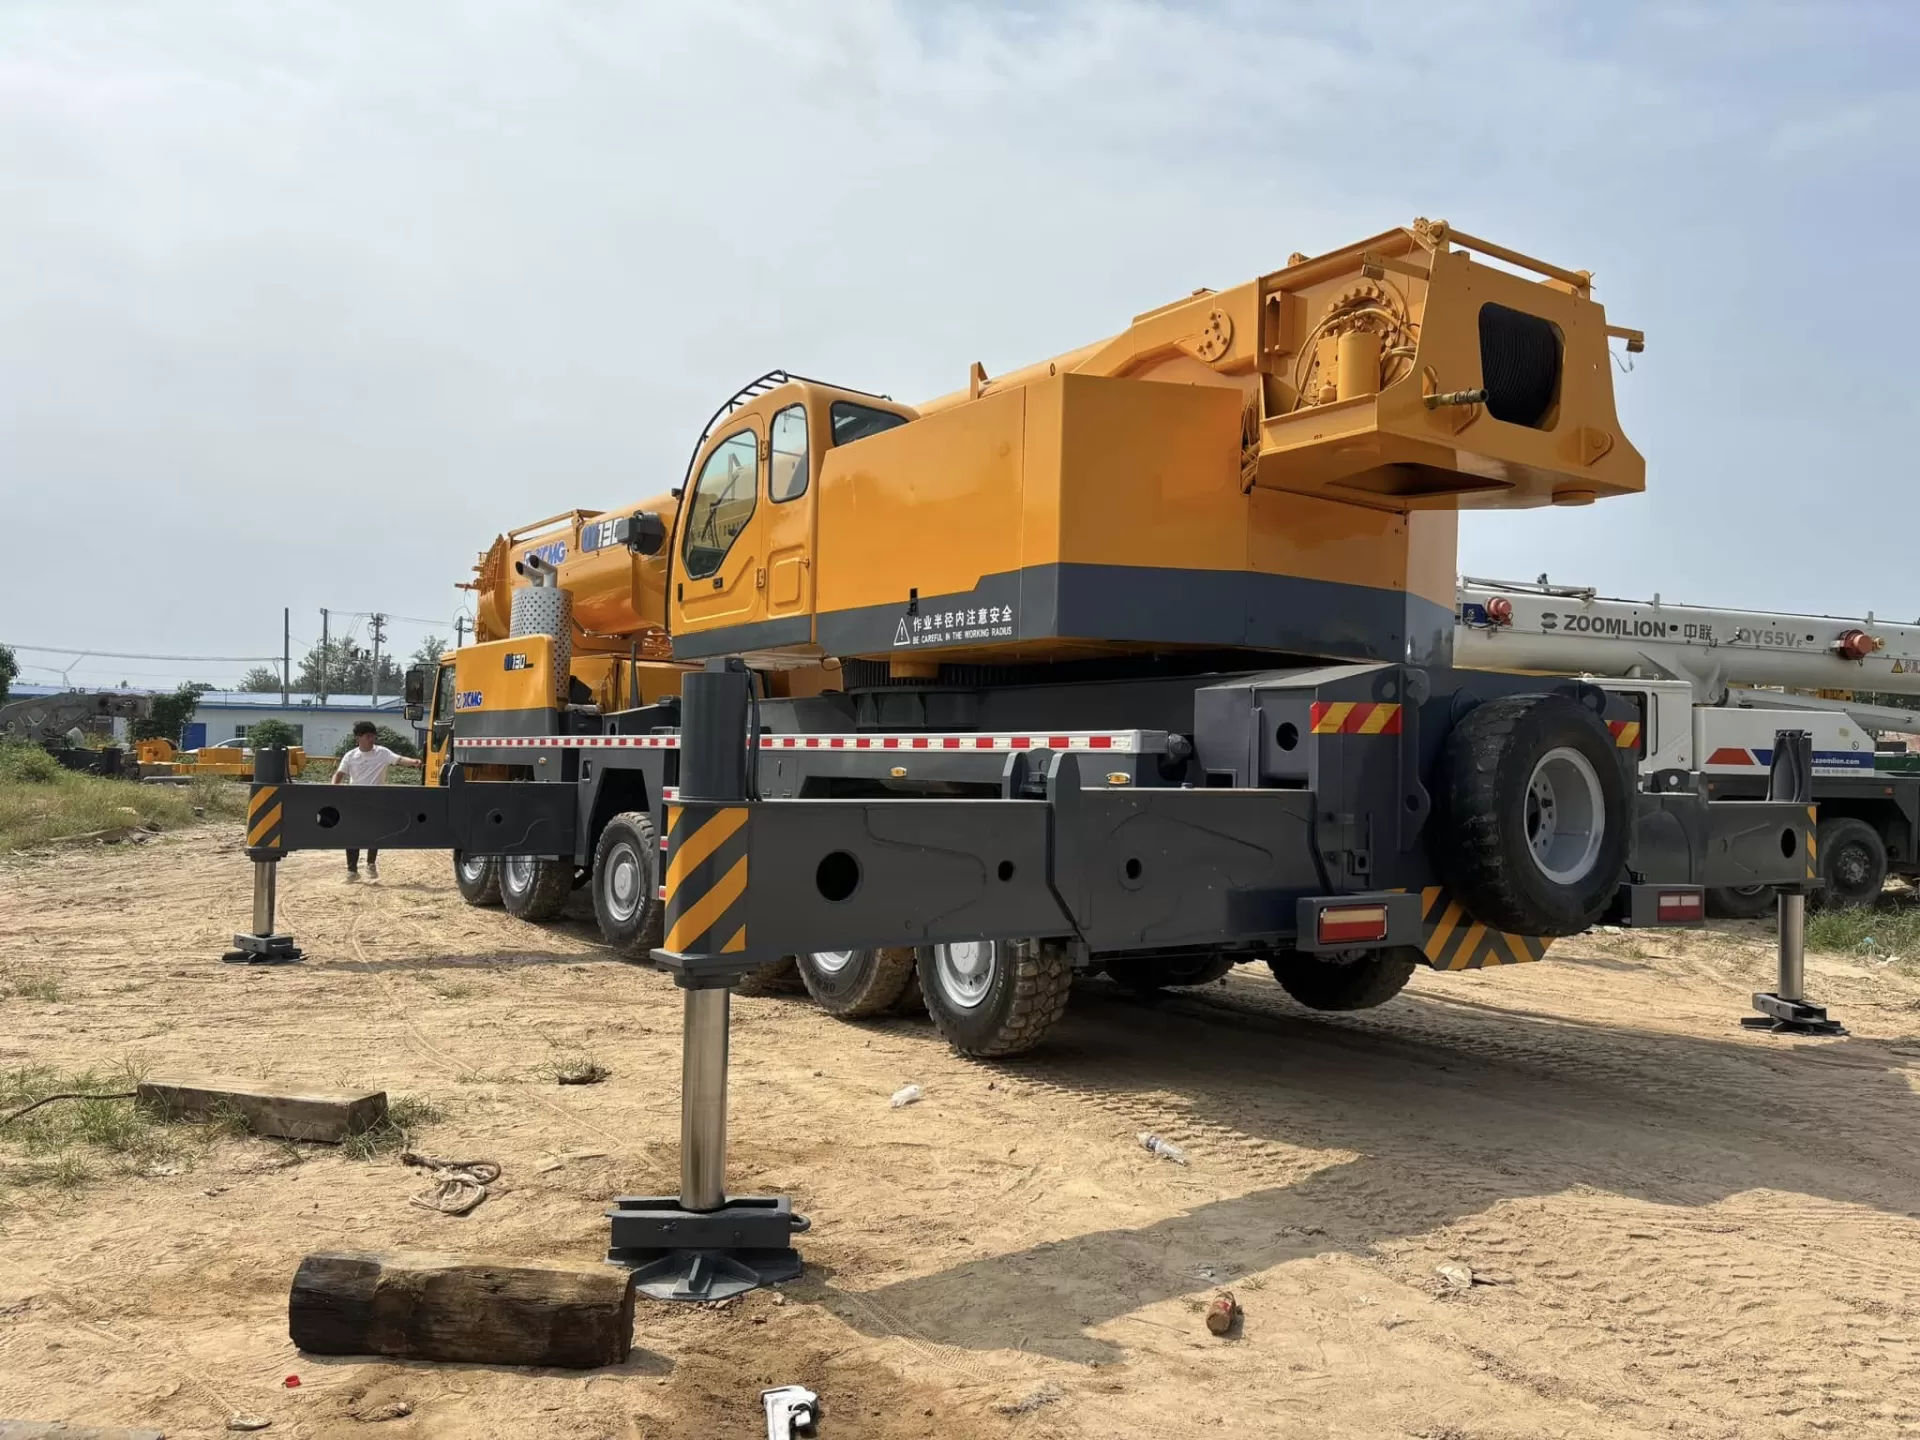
[624, 882]
[1851, 867]
[966, 971]
[473, 868]
[1566, 816]
[516, 873]
[832, 962]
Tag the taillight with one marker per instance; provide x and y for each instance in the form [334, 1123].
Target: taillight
[1352, 924]
[1675, 906]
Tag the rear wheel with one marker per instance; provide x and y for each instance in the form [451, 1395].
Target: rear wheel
[1536, 807]
[857, 984]
[626, 886]
[995, 997]
[1334, 982]
[1853, 863]
[534, 887]
[478, 878]
[1748, 902]
[1146, 976]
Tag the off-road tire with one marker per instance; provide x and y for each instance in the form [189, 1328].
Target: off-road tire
[1853, 863]
[480, 889]
[544, 895]
[1330, 984]
[776, 977]
[869, 983]
[1747, 904]
[1481, 843]
[627, 844]
[1147, 976]
[1025, 999]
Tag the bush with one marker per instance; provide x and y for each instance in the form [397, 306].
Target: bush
[170, 714]
[22, 764]
[266, 734]
[392, 739]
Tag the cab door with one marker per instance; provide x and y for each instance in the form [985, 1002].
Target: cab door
[720, 574]
[440, 722]
[790, 512]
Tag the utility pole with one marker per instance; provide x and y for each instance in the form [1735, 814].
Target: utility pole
[459, 631]
[323, 654]
[377, 623]
[286, 655]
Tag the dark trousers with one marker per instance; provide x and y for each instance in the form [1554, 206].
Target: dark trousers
[353, 858]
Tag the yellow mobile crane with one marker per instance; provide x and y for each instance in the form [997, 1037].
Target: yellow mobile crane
[1138, 659]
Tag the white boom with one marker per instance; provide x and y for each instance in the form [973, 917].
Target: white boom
[1723, 654]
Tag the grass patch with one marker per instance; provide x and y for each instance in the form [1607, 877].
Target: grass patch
[28, 983]
[61, 1146]
[406, 1114]
[40, 802]
[1887, 931]
[572, 1067]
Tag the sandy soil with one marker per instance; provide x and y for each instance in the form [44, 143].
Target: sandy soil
[1684, 1228]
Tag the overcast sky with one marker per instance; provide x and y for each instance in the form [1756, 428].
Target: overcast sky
[301, 303]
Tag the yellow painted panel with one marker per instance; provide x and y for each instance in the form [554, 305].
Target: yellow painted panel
[482, 671]
[933, 505]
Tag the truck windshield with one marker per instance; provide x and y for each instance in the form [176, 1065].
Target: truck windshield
[855, 422]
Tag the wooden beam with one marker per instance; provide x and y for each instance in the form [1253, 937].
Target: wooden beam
[421, 1306]
[327, 1116]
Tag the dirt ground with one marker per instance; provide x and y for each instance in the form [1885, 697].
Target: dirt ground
[1681, 1228]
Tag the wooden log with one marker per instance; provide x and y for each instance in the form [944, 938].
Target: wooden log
[329, 1116]
[423, 1306]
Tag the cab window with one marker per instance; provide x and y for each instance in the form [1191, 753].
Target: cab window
[787, 473]
[855, 422]
[442, 697]
[723, 500]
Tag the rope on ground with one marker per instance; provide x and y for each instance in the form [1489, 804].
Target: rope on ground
[67, 1095]
[459, 1185]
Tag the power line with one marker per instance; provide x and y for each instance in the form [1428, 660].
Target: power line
[86, 654]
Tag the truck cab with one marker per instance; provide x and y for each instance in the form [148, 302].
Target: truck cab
[428, 705]
[741, 565]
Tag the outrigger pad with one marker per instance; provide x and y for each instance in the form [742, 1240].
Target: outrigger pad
[263, 950]
[1790, 1017]
[680, 1254]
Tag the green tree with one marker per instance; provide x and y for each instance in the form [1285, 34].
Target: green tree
[170, 714]
[349, 670]
[9, 671]
[430, 651]
[265, 734]
[260, 680]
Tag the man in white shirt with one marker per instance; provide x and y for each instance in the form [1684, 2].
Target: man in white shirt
[367, 764]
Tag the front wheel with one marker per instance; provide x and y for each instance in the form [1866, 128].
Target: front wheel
[1853, 863]
[534, 887]
[478, 878]
[626, 888]
[992, 998]
[1334, 982]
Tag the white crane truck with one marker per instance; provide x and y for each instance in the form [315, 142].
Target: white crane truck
[1702, 677]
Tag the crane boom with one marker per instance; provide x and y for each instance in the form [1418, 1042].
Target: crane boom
[1728, 656]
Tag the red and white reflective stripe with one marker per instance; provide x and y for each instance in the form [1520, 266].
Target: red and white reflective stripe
[570, 742]
[1117, 742]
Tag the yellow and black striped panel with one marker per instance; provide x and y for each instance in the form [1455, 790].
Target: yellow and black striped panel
[706, 880]
[1813, 842]
[264, 815]
[1454, 940]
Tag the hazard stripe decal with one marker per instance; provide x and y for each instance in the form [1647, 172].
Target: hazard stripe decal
[1626, 733]
[265, 812]
[1351, 717]
[705, 881]
[1118, 742]
[1453, 940]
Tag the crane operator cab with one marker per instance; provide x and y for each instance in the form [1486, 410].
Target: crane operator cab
[742, 567]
